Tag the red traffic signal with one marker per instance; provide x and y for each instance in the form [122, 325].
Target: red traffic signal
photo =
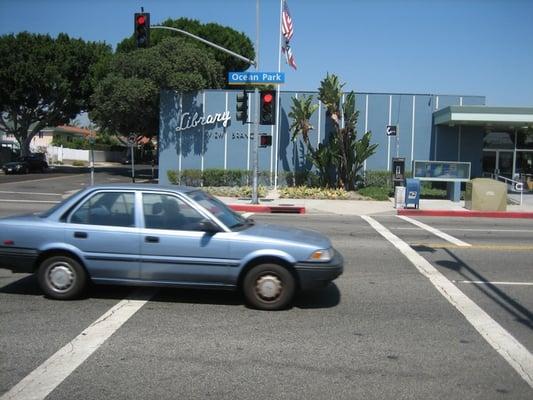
[142, 29]
[267, 108]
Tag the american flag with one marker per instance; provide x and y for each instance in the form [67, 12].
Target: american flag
[288, 31]
[286, 22]
[289, 57]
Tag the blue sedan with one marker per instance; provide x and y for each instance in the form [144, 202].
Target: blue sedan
[164, 236]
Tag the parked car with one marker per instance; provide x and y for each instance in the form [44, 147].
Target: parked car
[32, 162]
[164, 236]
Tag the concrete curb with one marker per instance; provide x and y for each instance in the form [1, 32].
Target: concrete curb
[466, 213]
[260, 208]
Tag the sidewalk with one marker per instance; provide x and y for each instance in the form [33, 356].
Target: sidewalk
[442, 208]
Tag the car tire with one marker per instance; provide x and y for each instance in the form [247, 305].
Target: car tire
[269, 287]
[62, 277]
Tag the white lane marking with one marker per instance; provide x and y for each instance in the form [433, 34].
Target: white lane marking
[247, 214]
[502, 341]
[45, 378]
[435, 231]
[31, 193]
[29, 201]
[401, 228]
[496, 283]
[43, 179]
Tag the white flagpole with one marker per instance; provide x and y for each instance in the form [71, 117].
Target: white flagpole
[278, 99]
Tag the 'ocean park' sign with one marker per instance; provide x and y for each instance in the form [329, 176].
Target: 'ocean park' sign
[257, 78]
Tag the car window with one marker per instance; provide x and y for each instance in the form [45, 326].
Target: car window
[163, 211]
[228, 217]
[108, 208]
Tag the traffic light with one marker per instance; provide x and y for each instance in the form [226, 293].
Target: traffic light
[242, 107]
[267, 108]
[265, 140]
[142, 29]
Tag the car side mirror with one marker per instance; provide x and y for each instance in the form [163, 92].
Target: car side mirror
[209, 226]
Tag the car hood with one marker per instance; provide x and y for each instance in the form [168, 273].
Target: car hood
[13, 164]
[295, 235]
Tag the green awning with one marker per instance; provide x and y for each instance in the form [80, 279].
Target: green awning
[510, 117]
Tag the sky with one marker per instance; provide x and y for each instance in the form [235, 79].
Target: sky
[468, 47]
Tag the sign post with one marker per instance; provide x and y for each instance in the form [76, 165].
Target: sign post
[131, 142]
[91, 142]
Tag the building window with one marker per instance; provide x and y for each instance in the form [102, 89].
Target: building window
[498, 140]
[524, 140]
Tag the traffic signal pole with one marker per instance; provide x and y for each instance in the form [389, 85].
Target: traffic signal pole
[216, 46]
[255, 196]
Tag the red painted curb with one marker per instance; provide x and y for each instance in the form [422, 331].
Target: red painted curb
[261, 208]
[466, 213]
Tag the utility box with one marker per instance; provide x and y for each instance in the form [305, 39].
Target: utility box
[483, 194]
[399, 197]
[412, 193]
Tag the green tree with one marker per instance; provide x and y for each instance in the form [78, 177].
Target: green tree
[302, 109]
[45, 81]
[344, 152]
[222, 35]
[127, 99]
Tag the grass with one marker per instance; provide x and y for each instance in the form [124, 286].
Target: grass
[375, 192]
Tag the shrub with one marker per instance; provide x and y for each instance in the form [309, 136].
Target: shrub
[375, 192]
[79, 163]
[242, 191]
[216, 177]
[378, 179]
[304, 192]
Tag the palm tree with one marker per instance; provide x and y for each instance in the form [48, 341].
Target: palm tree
[343, 153]
[301, 112]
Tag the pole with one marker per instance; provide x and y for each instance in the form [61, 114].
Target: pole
[398, 140]
[92, 164]
[278, 101]
[255, 196]
[216, 46]
[132, 163]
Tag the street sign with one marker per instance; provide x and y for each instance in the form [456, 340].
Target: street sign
[256, 78]
[391, 130]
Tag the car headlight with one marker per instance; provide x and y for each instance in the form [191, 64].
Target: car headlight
[18, 166]
[321, 255]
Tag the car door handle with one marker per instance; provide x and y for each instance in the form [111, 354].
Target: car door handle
[151, 239]
[80, 235]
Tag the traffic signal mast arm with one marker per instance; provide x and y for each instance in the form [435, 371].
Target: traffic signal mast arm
[216, 46]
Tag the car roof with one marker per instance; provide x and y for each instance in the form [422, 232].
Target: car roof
[143, 186]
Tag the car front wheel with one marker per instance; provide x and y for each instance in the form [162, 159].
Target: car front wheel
[269, 287]
[62, 277]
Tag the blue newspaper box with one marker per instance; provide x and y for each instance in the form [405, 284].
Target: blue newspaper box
[412, 193]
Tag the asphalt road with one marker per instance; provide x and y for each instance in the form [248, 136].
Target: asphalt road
[380, 331]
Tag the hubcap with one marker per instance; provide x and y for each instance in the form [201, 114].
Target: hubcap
[61, 277]
[268, 287]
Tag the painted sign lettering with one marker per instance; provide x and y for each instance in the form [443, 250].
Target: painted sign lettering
[188, 121]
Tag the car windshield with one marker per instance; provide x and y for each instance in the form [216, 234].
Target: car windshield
[225, 214]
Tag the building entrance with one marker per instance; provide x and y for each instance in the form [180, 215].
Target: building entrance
[499, 162]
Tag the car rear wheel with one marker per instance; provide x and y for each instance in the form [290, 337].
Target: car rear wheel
[269, 287]
[62, 277]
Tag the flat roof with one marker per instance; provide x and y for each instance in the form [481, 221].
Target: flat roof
[517, 117]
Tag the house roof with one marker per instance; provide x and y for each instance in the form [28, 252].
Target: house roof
[74, 130]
